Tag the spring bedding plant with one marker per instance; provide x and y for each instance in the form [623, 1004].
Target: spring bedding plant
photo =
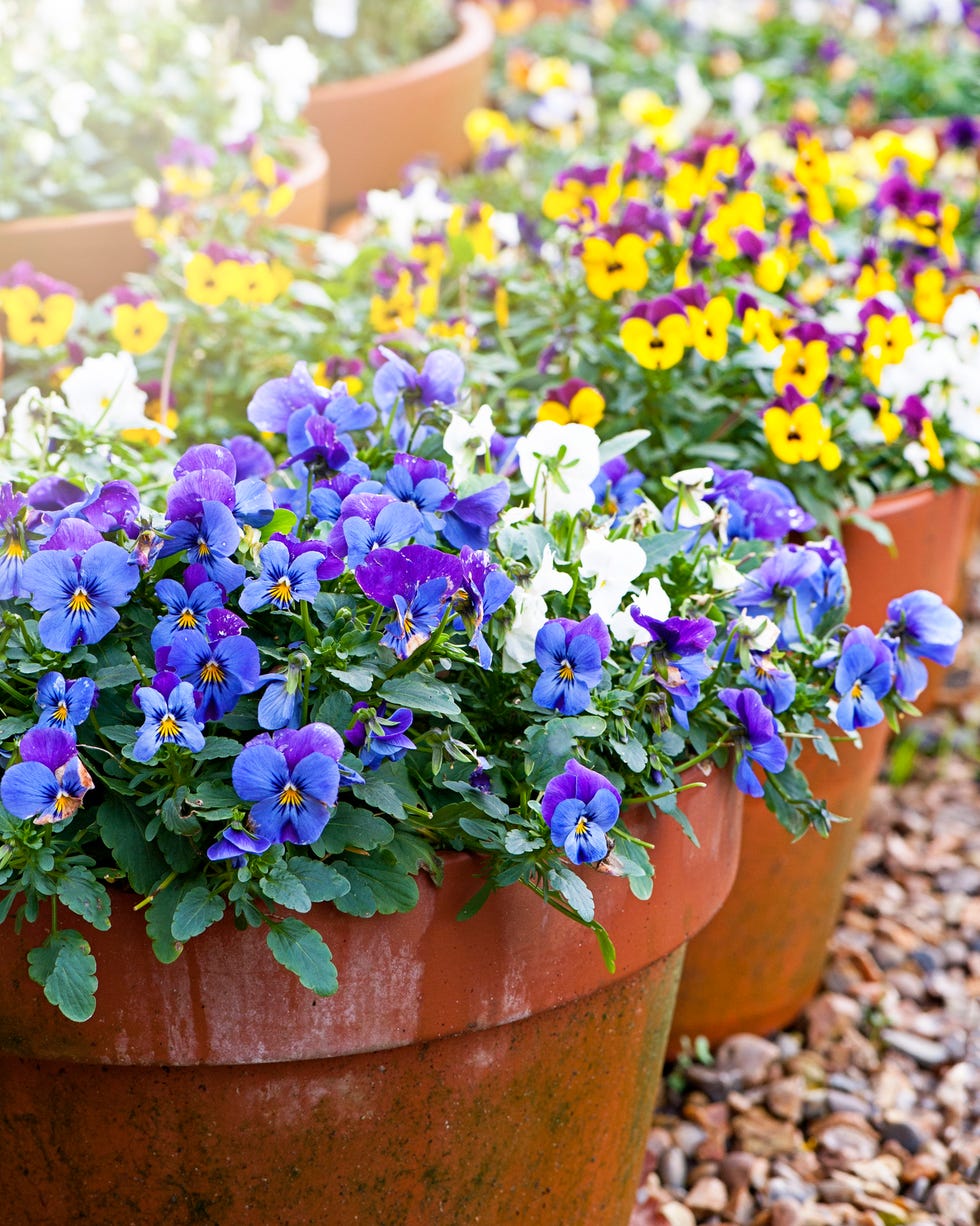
[294, 666]
[100, 100]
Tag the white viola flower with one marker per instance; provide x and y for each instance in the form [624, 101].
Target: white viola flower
[962, 323]
[758, 633]
[531, 611]
[402, 214]
[335, 18]
[505, 228]
[38, 145]
[102, 395]
[725, 576]
[290, 69]
[695, 101]
[654, 602]
[918, 458]
[963, 411]
[31, 423]
[559, 464]
[466, 438]
[246, 92]
[68, 106]
[612, 565]
[913, 374]
[747, 92]
[689, 484]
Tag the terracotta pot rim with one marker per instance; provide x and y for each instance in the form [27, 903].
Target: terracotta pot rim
[313, 163]
[474, 37]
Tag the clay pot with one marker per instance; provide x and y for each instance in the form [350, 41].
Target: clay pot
[932, 541]
[466, 1071]
[760, 960]
[372, 127]
[94, 251]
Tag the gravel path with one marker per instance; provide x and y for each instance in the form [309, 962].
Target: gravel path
[867, 1109]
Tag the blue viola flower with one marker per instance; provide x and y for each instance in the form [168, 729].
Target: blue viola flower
[392, 523]
[291, 780]
[186, 610]
[272, 407]
[79, 596]
[415, 619]
[210, 541]
[482, 589]
[863, 676]
[315, 440]
[254, 504]
[579, 806]
[284, 581]
[111, 506]
[616, 488]
[776, 685]
[469, 520]
[758, 740]
[64, 704]
[251, 458]
[220, 672]
[758, 508]
[570, 656]
[785, 588]
[169, 720]
[438, 382]
[425, 485]
[50, 782]
[13, 543]
[920, 627]
[380, 736]
[677, 655]
[281, 704]
[236, 845]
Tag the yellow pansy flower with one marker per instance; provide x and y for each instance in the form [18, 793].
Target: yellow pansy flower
[476, 227]
[257, 285]
[917, 149]
[745, 211]
[548, 72]
[611, 267]
[138, 327]
[484, 126]
[501, 306]
[805, 366]
[460, 331]
[36, 321]
[927, 438]
[208, 283]
[655, 344]
[574, 402]
[773, 268]
[758, 324]
[885, 344]
[709, 328]
[928, 297]
[800, 436]
[811, 168]
[875, 277]
[396, 311]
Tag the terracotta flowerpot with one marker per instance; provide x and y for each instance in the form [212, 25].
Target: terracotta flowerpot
[372, 127]
[932, 538]
[94, 251]
[491, 1070]
[759, 961]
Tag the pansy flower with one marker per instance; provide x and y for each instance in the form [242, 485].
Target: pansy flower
[168, 720]
[579, 806]
[220, 672]
[186, 610]
[574, 401]
[291, 779]
[862, 678]
[64, 704]
[614, 264]
[656, 334]
[13, 542]
[284, 581]
[756, 740]
[50, 782]
[919, 627]
[570, 656]
[79, 597]
[378, 736]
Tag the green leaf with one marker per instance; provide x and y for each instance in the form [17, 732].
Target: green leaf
[380, 795]
[321, 881]
[13, 725]
[197, 910]
[112, 675]
[282, 521]
[376, 887]
[159, 925]
[632, 753]
[65, 968]
[123, 833]
[218, 747]
[518, 843]
[300, 949]
[350, 827]
[476, 902]
[574, 891]
[282, 887]
[621, 443]
[82, 893]
[420, 694]
[662, 547]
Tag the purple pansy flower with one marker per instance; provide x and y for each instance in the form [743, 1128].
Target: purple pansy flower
[380, 737]
[13, 544]
[920, 627]
[284, 581]
[235, 844]
[579, 806]
[677, 655]
[291, 779]
[79, 597]
[758, 741]
[220, 672]
[438, 382]
[186, 610]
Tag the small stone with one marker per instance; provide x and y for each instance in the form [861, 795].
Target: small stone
[840, 1100]
[757, 1132]
[688, 1136]
[673, 1213]
[926, 1052]
[955, 1203]
[672, 1167]
[829, 1016]
[785, 1097]
[958, 1088]
[740, 1170]
[748, 1055]
[910, 1139]
[786, 1213]
[891, 1213]
[844, 1138]
[709, 1195]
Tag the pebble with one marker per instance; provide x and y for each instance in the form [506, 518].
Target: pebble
[905, 1134]
[785, 1097]
[708, 1195]
[955, 1204]
[926, 1052]
[748, 1056]
[672, 1167]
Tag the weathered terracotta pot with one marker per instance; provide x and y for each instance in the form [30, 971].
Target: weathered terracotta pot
[759, 961]
[372, 127]
[94, 251]
[491, 1070]
[932, 535]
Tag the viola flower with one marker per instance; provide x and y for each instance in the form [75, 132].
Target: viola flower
[64, 704]
[616, 489]
[863, 676]
[169, 720]
[919, 627]
[776, 685]
[291, 779]
[371, 521]
[656, 333]
[50, 782]
[469, 520]
[398, 310]
[570, 656]
[13, 542]
[211, 282]
[611, 266]
[575, 401]
[186, 610]
[220, 672]
[103, 395]
[613, 565]
[379, 736]
[79, 596]
[284, 581]
[212, 541]
[709, 328]
[676, 652]
[559, 464]
[800, 436]
[757, 741]
[803, 365]
[531, 610]
[438, 382]
[138, 323]
[579, 806]
[235, 844]
[483, 588]
[37, 318]
[280, 705]
[416, 618]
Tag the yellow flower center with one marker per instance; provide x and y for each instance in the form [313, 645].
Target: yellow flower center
[15, 549]
[290, 797]
[186, 619]
[565, 671]
[281, 592]
[60, 713]
[167, 729]
[80, 601]
[212, 673]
